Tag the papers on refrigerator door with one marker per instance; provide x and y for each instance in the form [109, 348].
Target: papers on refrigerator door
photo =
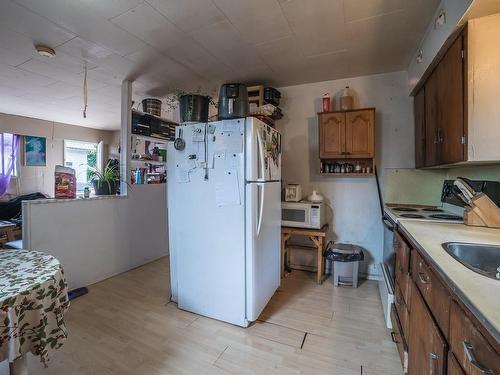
[230, 142]
[183, 169]
[227, 190]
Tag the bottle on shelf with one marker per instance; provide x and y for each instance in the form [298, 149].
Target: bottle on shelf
[326, 102]
[346, 100]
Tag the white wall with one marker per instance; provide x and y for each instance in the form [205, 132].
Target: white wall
[41, 179]
[434, 38]
[98, 238]
[356, 211]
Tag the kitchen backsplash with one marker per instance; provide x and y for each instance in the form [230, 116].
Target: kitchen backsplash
[414, 186]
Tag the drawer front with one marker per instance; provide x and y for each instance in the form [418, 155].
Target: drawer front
[470, 348]
[433, 291]
[428, 348]
[453, 366]
[398, 339]
[402, 310]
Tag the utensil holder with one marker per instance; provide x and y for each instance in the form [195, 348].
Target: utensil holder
[483, 212]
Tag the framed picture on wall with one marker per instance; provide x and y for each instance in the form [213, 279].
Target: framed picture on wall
[35, 151]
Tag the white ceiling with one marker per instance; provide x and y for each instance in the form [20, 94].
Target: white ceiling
[168, 44]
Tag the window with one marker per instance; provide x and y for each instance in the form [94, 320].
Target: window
[7, 140]
[82, 157]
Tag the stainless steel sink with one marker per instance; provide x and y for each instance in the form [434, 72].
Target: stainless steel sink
[483, 259]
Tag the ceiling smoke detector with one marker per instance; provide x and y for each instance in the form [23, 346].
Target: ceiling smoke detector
[45, 51]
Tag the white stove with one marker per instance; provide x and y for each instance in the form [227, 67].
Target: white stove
[444, 214]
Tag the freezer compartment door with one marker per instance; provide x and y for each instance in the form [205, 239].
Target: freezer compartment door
[263, 151]
[263, 227]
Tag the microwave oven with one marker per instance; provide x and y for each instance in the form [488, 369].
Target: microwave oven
[303, 214]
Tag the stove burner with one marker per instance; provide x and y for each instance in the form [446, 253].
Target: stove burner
[446, 217]
[405, 209]
[432, 209]
[412, 216]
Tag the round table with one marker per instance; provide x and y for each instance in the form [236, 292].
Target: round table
[33, 300]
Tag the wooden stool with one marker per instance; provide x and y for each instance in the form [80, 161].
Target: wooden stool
[317, 236]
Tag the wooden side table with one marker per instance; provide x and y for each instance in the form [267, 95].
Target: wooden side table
[317, 236]
[6, 232]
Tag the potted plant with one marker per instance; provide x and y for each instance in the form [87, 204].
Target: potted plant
[193, 106]
[105, 182]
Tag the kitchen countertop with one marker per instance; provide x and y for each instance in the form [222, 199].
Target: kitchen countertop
[479, 293]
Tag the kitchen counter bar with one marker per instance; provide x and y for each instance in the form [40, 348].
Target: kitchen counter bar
[479, 293]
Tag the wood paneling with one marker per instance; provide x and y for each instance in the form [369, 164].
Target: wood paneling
[419, 113]
[331, 135]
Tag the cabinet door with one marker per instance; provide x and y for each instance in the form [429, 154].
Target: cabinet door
[450, 72]
[427, 348]
[419, 113]
[472, 350]
[433, 291]
[453, 366]
[360, 133]
[331, 135]
[431, 120]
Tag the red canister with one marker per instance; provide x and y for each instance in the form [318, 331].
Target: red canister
[326, 102]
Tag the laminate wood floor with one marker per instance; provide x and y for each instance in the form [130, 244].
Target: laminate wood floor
[125, 325]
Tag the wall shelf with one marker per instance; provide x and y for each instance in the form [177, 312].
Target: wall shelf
[347, 174]
[151, 139]
[153, 162]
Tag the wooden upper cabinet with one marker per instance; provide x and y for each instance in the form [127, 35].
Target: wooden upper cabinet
[440, 111]
[431, 121]
[450, 72]
[347, 134]
[360, 133]
[419, 113]
[331, 135]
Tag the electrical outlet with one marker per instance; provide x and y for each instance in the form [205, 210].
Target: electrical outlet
[373, 269]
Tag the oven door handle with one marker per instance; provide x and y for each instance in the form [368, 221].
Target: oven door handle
[388, 223]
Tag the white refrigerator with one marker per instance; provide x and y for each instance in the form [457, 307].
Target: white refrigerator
[224, 217]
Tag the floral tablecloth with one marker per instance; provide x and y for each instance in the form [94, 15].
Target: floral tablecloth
[33, 300]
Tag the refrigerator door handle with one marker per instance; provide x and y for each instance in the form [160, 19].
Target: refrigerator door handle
[260, 145]
[262, 189]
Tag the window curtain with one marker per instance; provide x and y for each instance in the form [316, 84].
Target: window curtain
[9, 144]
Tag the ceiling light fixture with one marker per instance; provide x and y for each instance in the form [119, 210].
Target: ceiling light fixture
[45, 51]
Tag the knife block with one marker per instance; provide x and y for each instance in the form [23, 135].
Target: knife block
[483, 212]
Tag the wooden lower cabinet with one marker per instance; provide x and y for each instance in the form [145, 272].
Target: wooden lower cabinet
[399, 339]
[471, 349]
[427, 348]
[434, 332]
[433, 291]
